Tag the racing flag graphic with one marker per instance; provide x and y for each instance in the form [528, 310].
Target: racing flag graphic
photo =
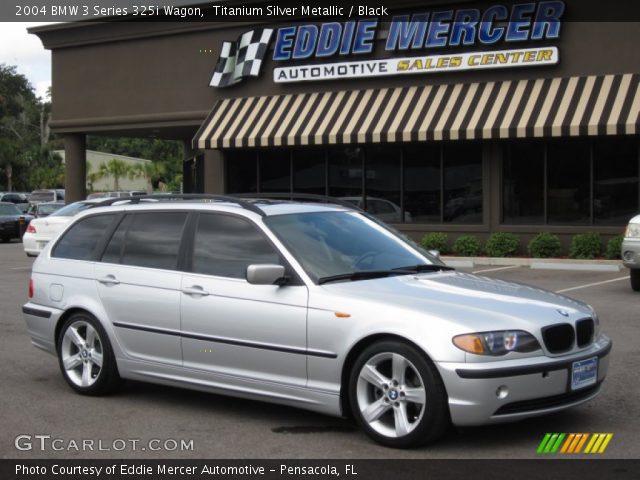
[242, 58]
[574, 443]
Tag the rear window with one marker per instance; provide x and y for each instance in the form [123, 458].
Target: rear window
[147, 240]
[71, 209]
[9, 209]
[80, 241]
[43, 196]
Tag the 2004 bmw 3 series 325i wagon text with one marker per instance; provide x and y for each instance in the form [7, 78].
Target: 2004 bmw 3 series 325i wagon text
[312, 305]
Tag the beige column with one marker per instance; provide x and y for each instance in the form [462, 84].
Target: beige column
[213, 172]
[75, 167]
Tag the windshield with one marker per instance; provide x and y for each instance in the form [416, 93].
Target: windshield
[71, 209]
[45, 196]
[9, 209]
[49, 208]
[338, 243]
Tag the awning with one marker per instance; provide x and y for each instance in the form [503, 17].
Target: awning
[552, 107]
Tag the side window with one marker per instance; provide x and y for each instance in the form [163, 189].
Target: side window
[80, 241]
[225, 246]
[147, 240]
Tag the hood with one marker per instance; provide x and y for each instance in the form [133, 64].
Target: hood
[473, 302]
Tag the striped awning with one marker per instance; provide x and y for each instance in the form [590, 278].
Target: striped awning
[552, 107]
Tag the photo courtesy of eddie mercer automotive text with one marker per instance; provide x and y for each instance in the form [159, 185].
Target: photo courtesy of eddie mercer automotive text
[289, 230]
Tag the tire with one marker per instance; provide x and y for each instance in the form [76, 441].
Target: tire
[88, 366]
[385, 408]
[635, 279]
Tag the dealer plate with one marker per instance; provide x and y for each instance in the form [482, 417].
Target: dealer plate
[584, 373]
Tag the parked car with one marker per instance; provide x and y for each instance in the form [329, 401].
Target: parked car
[119, 194]
[631, 252]
[10, 216]
[41, 230]
[14, 197]
[46, 195]
[385, 210]
[312, 305]
[41, 210]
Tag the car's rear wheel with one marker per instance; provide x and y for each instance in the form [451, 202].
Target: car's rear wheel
[635, 279]
[85, 356]
[397, 395]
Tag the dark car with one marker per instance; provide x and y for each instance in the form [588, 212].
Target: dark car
[10, 216]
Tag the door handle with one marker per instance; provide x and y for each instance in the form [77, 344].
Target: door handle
[109, 280]
[195, 290]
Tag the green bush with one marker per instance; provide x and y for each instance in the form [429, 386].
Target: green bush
[585, 246]
[614, 245]
[544, 245]
[467, 246]
[436, 241]
[501, 244]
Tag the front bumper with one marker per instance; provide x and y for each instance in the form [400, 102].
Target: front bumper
[631, 252]
[536, 386]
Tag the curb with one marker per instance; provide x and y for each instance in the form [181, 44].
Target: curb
[536, 263]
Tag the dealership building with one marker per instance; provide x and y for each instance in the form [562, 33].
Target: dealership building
[443, 116]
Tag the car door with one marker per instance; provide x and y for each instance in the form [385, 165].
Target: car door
[230, 326]
[139, 284]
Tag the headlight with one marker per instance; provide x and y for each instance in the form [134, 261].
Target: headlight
[497, 343]
[633, 230]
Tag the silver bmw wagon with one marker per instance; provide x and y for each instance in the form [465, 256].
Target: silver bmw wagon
[312, 305]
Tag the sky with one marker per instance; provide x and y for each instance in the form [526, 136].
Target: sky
[19, 48]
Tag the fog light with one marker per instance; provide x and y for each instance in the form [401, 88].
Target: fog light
[502, 392]
[628, 256]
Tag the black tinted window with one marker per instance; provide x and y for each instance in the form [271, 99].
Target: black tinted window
[225, 246]
[147, 240]
[81, 239]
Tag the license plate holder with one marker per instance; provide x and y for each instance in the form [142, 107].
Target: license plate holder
[584, 373]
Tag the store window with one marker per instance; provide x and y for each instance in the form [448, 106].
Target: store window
[346, 165]
[462, 183]
[586, 181]
[523, 183]
[310, 171]
[422, 183]
[241, 171]
[615, 180]
[383, 172]
[275, 170]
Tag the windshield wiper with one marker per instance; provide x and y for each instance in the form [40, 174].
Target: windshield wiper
[364, 275]
[424, 268]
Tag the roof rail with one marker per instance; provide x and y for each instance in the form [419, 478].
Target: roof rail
[135, 200]
[299, 196]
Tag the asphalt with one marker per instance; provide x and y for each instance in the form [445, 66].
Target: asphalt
[35, 400]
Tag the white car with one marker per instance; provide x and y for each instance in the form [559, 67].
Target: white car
[41, 230]
[631, 251]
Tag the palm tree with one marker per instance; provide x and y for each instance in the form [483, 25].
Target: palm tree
[117, 169]
[150, 171]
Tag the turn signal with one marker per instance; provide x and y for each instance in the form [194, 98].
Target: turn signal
[469, 343]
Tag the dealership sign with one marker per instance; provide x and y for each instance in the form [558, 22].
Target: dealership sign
[408, 42]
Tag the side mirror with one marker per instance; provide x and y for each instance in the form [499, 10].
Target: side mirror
[435, 253]
[265, 274]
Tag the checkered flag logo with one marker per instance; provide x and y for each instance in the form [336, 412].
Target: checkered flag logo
[242, 58]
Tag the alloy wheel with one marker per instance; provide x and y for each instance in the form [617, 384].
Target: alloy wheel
[82, 353]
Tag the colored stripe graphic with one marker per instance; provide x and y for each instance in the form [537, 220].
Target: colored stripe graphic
[573, 443]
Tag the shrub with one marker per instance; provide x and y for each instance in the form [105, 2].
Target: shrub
[501, 244]
[585, 246]
[544, 245]
[467, 246]
[614, 245]
[436, 241]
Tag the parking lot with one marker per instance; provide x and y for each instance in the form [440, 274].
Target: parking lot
[36, 400]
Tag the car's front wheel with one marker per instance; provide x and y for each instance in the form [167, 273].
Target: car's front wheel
[397, 395]
[635, 279]
[85, 356]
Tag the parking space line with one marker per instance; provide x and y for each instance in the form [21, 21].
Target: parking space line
[497, 269]
[592, 284]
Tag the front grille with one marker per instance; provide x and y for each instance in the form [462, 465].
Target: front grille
[558, 338]
[543, 403]
[584, 332]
